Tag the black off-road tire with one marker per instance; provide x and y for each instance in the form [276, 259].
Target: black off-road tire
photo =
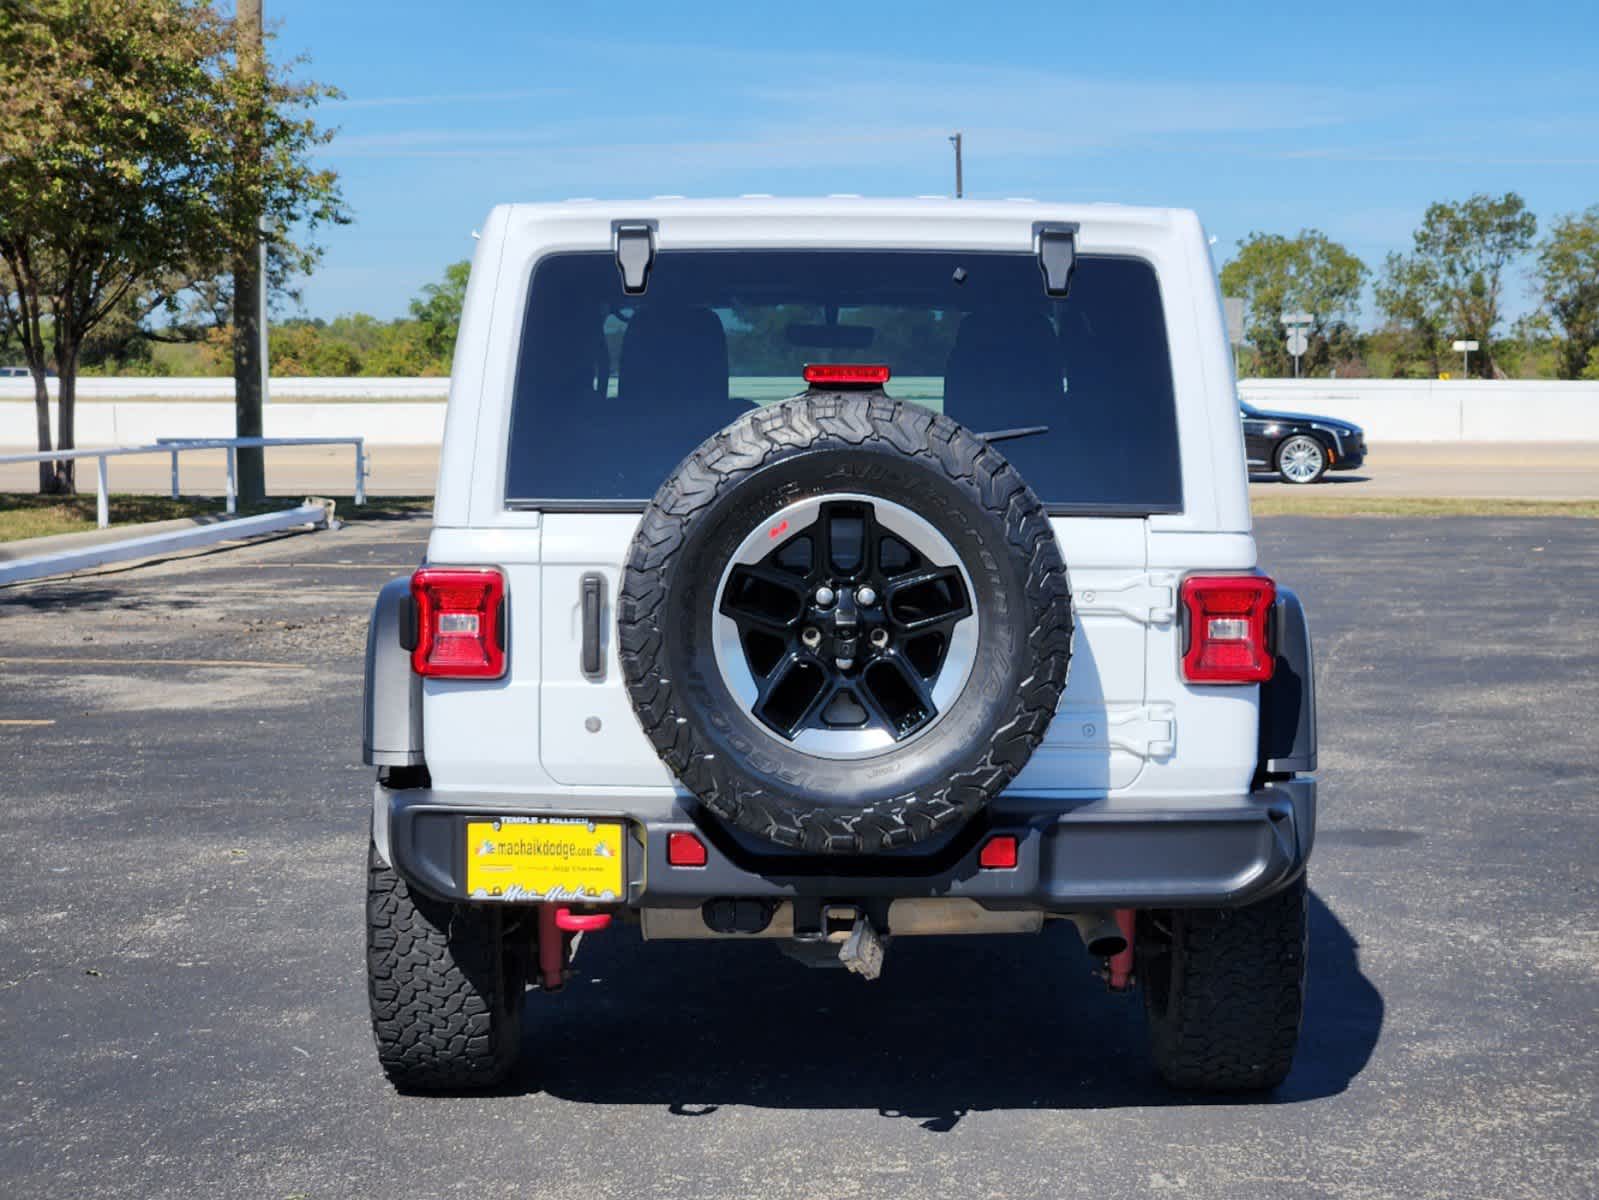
[446, 985]
[1224, 991]
[829, 443]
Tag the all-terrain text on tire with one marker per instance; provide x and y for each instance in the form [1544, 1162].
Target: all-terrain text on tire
[821, 573]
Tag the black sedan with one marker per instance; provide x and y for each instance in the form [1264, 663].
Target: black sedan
[1300, 448]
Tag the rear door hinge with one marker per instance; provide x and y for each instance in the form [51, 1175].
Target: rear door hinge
[634, 242]
[1149, 599]
[1144, 730]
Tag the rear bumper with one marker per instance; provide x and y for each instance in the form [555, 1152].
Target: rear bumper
[1072, 856]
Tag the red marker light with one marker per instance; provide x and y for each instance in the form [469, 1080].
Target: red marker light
[998, 853]
[847, 374]
[685, 850]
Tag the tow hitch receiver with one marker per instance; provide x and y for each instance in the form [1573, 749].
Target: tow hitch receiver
[862, 951]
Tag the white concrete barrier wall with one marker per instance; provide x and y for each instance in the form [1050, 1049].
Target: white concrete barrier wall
[1436, 410]
[353, 387]
[410, 412]
[139, 422]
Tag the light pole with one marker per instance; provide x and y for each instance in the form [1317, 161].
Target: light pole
[955, 140]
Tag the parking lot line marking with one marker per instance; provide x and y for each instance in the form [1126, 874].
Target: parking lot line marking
[21, 721]
[7, 660]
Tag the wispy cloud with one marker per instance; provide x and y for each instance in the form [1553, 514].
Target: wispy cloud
[446, 98]
[752, 110]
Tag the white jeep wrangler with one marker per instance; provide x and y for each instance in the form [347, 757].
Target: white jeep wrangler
[826, 572]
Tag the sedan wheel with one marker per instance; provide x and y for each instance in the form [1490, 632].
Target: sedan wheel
[1301, 459]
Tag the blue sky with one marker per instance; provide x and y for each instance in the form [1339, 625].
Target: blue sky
[1349, 118]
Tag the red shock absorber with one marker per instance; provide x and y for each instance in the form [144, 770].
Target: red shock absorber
[1121, 965]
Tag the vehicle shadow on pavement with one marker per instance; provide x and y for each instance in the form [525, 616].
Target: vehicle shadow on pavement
[953, 1026]
[1272, 477]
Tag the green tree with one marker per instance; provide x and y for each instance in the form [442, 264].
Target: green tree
[1450, 284]
[119, 181]
[1568, 275]
[1310, 273]
[438, 310]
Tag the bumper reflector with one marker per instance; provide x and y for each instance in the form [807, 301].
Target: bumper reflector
[998, 853]
[685, 850]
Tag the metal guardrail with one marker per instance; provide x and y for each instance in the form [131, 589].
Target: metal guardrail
[177, 446]
[317, 514]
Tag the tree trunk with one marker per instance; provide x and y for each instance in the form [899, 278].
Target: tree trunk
[41, 412]
[66, 416]
[247, 374]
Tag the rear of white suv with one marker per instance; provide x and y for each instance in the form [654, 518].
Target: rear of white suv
[826, 572]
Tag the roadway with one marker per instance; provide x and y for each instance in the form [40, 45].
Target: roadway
[1502, 470]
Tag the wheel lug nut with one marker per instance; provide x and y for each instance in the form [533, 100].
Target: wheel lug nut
[879, 638]
[811, 636]
[865, 596]
[825, 597]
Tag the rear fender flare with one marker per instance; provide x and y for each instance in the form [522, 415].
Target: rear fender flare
[391, 730]
[1288, 698]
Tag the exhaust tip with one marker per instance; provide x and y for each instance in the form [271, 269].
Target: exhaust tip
[1107, 946]
[1100, 933]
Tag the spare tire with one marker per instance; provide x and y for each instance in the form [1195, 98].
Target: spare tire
[845, 623]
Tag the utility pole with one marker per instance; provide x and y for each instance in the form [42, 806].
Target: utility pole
[249, 267]
[955, 140]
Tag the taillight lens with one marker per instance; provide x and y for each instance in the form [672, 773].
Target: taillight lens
[1227, 622]
[458, 623]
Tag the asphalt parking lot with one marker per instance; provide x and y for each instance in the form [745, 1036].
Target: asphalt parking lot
[182, 1005]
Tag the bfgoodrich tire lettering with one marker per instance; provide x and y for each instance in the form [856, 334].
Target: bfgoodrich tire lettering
[826, 444]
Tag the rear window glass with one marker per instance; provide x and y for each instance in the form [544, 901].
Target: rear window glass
[613, 391]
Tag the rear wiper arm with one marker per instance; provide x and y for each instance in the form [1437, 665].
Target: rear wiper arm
[1004, 435]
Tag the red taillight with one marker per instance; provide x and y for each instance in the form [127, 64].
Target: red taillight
[458, 615]
[685, 850]
[846, 374]
[1227, 618]
[998, 853]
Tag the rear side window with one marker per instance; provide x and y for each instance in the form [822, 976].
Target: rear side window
[613, 391]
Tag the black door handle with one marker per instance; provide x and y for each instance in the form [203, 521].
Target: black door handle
[593, 657]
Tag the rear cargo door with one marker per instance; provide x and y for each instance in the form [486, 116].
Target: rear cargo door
[1074, 387]
[1103, 733]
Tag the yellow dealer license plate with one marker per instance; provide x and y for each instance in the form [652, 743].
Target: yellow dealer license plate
[544, 858]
